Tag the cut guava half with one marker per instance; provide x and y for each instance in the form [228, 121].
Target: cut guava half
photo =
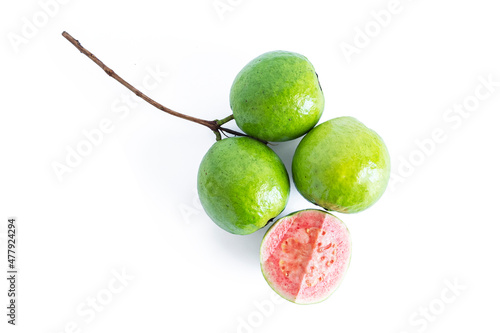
[305, 255]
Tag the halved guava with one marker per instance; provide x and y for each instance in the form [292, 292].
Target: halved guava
[305, 255]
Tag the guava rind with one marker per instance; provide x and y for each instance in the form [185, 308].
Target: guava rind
[277, 96]
[341, 165]
[278, 233]
[242, 184]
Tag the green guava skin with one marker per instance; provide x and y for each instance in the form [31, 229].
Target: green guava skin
[242, 184]
[277, 97]
[341, 165]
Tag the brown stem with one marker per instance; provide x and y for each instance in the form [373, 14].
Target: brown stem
[228, 130]
[214, 125]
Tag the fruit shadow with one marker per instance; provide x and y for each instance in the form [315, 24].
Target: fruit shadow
[285, 151]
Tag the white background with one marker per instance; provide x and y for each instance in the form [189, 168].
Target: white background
[131, 204]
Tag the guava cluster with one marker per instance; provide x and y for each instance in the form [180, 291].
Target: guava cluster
[339, 165]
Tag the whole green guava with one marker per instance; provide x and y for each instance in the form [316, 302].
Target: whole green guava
[341, 165]
[277, 97]
[242, 184]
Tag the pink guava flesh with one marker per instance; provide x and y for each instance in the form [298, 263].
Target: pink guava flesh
[305, 255]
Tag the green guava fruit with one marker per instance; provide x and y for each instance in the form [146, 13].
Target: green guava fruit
[277, 97]
[341, 165]
[242, 184]
[305, 255]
